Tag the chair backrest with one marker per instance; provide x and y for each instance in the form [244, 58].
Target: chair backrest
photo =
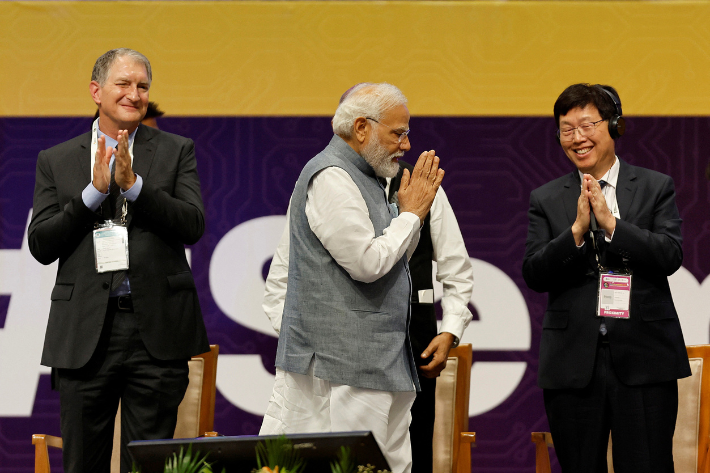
[452, 395]
[690, 441]
[196, 411]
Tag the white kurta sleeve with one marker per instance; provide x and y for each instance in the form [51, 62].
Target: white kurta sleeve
[453, 264]
[337, 214]
[276, 281]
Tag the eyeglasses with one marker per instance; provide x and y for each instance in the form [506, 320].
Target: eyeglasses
[585, 129]
[401, 135]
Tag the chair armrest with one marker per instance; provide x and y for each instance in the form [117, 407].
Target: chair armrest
[468, 437]
[41, 442]
[49, 440]
[542, 441]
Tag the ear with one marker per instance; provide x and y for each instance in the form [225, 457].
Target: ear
[95, 90]
[360, 129]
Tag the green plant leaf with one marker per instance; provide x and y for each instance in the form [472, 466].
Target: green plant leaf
[279, 452]
[185, 462]
[345, 462]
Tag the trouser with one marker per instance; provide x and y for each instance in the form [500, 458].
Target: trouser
[421, 430]
[641, 420]
[422, 330]
[121, 368]
[303, 404]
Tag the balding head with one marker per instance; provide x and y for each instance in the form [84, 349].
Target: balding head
[365, 100]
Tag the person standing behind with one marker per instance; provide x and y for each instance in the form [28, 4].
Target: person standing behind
[602, 242]
[440, 241]
[116, 206]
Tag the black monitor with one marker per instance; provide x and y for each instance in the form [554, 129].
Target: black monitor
[238, 454]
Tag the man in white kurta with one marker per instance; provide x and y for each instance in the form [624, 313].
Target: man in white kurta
[338, 216]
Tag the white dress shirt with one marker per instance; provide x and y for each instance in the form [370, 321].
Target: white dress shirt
[338, 215]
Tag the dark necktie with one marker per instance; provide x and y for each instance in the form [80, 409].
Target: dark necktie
[114, 210]
[599, 234]
[601, 244]
[114, 195]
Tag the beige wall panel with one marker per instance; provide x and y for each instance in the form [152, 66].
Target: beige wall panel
[296, 58]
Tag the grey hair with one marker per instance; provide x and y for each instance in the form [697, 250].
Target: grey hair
[365, 100]
[106, 60]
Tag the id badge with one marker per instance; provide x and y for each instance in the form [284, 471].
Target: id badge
[111, 247]
[614, 295]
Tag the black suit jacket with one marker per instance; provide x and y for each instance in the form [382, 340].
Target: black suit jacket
[167, 214]
[648, 347]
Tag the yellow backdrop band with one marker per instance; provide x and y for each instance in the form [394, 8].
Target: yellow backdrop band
[297, 58]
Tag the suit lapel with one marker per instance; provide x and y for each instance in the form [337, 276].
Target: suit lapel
[84, 157]
[571, 196]
[625, 189]
[143, 151]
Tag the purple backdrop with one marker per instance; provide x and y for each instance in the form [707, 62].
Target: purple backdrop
[248, 167]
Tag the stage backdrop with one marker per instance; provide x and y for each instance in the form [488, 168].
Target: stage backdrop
[254, 85]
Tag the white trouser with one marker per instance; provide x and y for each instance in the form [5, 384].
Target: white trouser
[304, 403]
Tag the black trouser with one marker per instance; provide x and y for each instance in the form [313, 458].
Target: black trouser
[150, 391]
[421, 430]
[641, 420]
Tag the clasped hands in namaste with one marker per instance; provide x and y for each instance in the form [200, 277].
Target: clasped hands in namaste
[417, 191]
[592, 199]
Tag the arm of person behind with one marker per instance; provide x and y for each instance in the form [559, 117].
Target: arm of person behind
[277, 280]
[180, 213]
[338, 216]
[455, 272]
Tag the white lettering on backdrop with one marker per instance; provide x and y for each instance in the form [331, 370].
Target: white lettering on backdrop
[237, 286]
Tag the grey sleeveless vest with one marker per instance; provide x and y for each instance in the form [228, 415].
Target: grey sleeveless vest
[355, 333]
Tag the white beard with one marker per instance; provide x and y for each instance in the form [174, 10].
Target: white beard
[377, 156]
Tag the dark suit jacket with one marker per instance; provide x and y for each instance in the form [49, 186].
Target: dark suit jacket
[167, 214]
[648, 347]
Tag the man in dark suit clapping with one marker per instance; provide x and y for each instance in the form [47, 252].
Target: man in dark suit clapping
[116, 206]
[602, 242]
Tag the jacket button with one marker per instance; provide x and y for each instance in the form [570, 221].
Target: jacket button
[105, 285]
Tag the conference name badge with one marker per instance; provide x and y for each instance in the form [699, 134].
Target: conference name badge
[614, 295]
[110, 247]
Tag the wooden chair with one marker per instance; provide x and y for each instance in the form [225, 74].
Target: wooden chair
[692, 429]
[452, 442]
[195, 413]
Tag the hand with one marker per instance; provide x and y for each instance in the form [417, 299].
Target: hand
[417, 193]
[439, 347]
[597, 202]
[581, 223]
[101, 172]
[125, 177]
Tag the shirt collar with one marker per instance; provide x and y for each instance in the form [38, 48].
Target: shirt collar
[612, 175]
[110, 141]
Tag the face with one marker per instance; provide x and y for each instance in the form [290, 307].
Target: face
[590, 154]
[123, 99]
[383, 148]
